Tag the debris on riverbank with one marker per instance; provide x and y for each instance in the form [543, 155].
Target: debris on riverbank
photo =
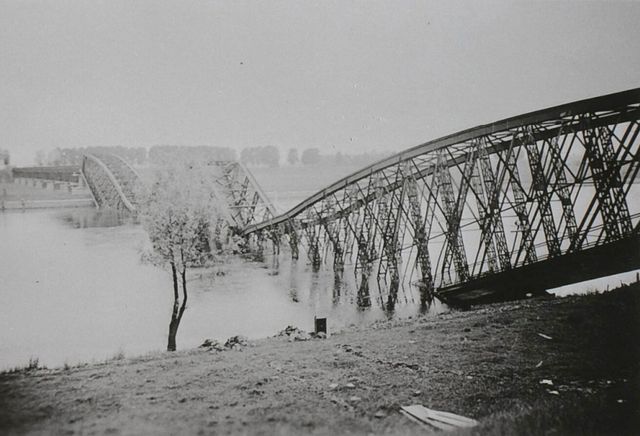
[488, 363]
[295, 334]
[233, 343]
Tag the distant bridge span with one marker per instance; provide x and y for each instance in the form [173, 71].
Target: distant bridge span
[114, 185]
[520, 205]
[112, 181]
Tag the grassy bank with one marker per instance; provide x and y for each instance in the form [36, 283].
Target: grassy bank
[486, 363]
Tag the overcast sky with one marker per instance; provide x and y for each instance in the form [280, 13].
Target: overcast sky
[337, 75]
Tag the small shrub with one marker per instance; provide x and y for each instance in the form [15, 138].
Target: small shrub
[34, 364]
[118, 356]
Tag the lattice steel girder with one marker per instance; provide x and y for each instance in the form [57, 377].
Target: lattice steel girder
[349, 197]
[614, 108]
[389, 214]
[485, 220]
[417, 221]
[359, 221]
[453, 207]
[502, 189]
[562, 187]
[291, 230]
[275, 234]
[244, 199]
[332, 231]
[313, 246]
[540, 186]
[606, 177]
[520, 200]
[623, 151]
[486, 216]
[495, 224]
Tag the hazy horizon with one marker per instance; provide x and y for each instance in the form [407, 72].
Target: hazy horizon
[340, 76]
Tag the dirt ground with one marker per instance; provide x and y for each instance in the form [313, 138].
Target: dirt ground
[486, 363]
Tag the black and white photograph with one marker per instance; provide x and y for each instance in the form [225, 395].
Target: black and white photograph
[320, 217]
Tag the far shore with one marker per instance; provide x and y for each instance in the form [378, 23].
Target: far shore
[561, 365]
[45, 204]
[19, 196]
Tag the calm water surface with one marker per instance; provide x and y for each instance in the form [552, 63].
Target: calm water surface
[75, 290]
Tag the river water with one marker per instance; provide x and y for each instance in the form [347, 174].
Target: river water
[75, 290]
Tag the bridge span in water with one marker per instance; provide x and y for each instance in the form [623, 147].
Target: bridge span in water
[494, 212]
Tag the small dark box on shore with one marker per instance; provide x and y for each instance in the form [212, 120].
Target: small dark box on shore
[320, 325]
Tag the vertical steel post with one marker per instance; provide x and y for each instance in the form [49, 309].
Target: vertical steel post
[519, 205]
[417, 222]
[608, 184]
[540, 187]
[453, 208]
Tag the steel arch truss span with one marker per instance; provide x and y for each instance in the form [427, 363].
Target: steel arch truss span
[517, 206]
[112, 181]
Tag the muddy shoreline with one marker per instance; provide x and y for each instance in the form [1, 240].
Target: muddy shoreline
[487, 363]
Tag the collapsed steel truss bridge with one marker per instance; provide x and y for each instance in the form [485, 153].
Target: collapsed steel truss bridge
[241, 196]
[494, 212]
[112, 181]
[114, 185]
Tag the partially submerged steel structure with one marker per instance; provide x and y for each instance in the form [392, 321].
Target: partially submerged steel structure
[114, 185]
[494, 212]
[112, 181]
[245, 202]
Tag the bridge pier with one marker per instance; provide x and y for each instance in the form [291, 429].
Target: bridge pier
[313, 249]
[293, 238]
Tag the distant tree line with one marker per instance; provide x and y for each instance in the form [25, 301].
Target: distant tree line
[203, 154]
[157, 154]
[313, 156]
[268, 155]
[73, 156]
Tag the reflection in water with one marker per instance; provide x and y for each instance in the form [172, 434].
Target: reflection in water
[343, 298]
[337, 285]
[87, 218]
[74, 289]
[293, 282]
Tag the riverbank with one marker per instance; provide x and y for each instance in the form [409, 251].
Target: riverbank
[558, 365]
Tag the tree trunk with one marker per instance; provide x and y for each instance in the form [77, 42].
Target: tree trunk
[175, 321]
[173, 330]
[178, 310]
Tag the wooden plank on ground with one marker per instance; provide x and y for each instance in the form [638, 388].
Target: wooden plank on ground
[442, 420]
[452, 418]
[427, 422]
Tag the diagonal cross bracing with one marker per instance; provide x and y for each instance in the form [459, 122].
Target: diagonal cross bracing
[514, 194]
